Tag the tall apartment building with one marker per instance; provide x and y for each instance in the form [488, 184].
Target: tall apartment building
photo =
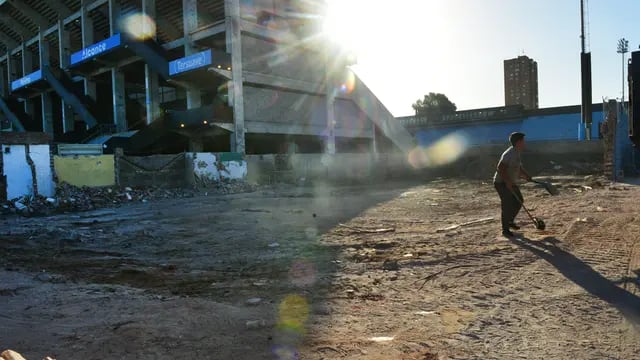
[521, 82]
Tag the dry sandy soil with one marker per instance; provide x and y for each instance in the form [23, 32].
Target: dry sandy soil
[359, 272]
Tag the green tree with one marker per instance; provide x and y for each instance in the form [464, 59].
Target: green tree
[434, 103]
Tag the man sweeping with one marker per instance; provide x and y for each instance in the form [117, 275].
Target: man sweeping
[506, 183]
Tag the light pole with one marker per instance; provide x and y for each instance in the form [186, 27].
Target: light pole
[623, 48]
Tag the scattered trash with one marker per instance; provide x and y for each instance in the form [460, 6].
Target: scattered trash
[73, 198]
[274, 245]
[19, 206]
[599, 209]
[425, 313]
[381, 338]
[474, 222]
[256, 324]
[367, 231]
[407, 255]
[253, 301]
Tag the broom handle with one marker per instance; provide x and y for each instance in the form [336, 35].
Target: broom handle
[524, 207]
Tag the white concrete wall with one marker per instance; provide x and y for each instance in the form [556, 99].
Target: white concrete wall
[40, 154]
[209, 168]
[18, 173]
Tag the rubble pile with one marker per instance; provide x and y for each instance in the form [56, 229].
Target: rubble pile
[72, 198]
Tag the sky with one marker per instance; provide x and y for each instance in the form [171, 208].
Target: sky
[408, 48]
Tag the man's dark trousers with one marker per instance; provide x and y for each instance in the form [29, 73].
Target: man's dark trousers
[509, 203]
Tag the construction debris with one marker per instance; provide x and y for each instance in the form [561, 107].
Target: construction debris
[72, 198]
[474, 222]
[367, 231]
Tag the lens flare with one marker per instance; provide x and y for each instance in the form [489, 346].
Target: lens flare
[302, 273]
[293, 313]
[349, 83]
[286, 353]
[139, 26]
[444, 151]
[311, 232]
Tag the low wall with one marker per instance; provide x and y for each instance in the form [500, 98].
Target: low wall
[207, 168]
[85, 170]
[154, 170]
[539, 158]
[559, 127]
[479, 162]
[353, 167]
[26, 170]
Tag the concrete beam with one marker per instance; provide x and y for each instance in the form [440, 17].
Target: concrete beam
[4, 85]
[208, 31]
[68, 20]
[33, 15]
[190, 23]
[87, 40]
[234, 47]
[15, 25]
[118, 90]
[119, 103]
[262, 127]
[166, 26]
[151, 79]
[8, 41]
[59, 7]
[264, 32]
[64, 51]
[27, 68]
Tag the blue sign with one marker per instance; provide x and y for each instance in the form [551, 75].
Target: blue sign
[24, 81]
[190, 62]
[96, 49]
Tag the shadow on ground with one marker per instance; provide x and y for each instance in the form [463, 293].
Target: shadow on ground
[584, 276]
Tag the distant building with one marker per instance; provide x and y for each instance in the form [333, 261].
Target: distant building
[521, 82]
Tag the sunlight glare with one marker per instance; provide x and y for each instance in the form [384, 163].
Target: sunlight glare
[445, 151]
[139, 26]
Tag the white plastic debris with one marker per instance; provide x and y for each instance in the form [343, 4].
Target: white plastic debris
[19, 205]
[254, 301]
[381, 338]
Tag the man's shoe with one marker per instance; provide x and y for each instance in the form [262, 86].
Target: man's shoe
[507, 234]
[514, 226]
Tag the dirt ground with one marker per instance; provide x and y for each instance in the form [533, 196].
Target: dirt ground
[329, 272]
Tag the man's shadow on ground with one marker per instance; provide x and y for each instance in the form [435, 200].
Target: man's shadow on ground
[585, 276]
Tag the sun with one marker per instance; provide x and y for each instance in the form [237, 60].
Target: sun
[345, 23]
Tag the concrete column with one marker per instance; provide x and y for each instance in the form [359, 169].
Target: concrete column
[118, 91]
[4, 87]
[87, 39]
[27, 68]
[119, 100]
[12, 70]
[45, 98]
[330, 142]
[47, 113]
[190, 19]
[151, 80]
[234, 46]
[64, 41]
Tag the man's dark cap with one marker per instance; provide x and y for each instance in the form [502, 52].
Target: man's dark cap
[515, 137]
